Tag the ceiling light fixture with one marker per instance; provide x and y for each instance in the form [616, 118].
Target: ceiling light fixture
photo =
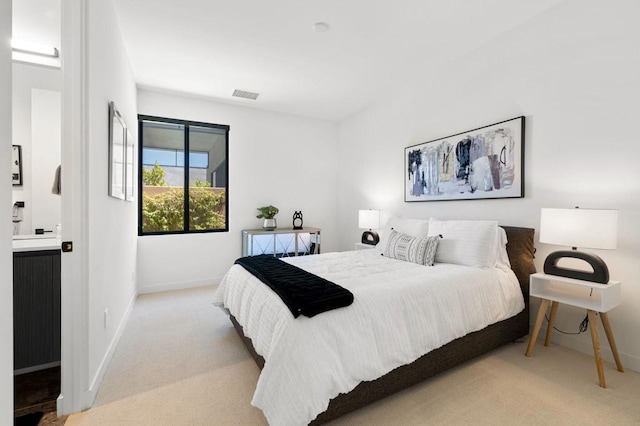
[34, 48]
[320, 27]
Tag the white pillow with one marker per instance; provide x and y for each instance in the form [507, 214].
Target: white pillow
[413, 227]
[466, 242]
[410, 249]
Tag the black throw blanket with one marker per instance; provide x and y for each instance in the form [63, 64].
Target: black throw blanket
[303, 292]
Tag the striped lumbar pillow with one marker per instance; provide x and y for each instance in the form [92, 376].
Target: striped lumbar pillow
[410, 249]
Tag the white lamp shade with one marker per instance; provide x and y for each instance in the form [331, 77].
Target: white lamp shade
[584, 228]
[369, 219]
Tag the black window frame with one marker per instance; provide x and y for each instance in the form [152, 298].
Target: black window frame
[187, 125]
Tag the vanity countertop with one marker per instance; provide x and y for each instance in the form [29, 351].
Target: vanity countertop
[36, 244]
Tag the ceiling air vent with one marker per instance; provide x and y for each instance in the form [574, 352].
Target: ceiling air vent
[244, 94]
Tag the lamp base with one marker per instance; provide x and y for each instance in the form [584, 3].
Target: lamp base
[600, 272]
[371, 238]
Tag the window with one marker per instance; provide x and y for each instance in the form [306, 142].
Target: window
[182, 193]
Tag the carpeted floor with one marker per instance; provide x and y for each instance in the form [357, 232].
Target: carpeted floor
[180, 362]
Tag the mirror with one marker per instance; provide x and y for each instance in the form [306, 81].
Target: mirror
[37, 127]
[116, 153]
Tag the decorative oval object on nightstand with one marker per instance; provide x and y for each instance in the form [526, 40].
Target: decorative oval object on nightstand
[370, 237]
[297, 220]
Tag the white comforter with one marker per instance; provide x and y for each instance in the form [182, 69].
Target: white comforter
[400, 312]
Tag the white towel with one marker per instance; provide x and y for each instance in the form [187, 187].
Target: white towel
[56, 189]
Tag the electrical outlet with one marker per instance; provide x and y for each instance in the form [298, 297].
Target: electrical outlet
[106, 318]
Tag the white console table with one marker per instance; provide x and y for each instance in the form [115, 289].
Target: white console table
[281, 242]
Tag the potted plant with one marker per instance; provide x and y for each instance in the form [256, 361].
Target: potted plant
[268, 214]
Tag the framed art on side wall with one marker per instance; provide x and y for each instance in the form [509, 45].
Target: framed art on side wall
[487, 162]
[117, 138]
[16, 165]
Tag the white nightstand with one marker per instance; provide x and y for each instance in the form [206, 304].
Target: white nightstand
[363, 246]
[594, 297]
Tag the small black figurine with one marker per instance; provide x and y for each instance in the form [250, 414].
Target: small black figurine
[297, 220]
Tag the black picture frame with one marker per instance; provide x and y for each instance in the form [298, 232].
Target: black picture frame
[16, 165]
[483, 163]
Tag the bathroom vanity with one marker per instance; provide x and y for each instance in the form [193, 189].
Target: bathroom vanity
[36, 303]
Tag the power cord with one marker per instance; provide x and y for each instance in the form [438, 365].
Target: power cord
[583, 327]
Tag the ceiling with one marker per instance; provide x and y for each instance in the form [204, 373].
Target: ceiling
[208, 48]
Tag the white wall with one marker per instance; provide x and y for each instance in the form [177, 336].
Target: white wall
[27, 80]
[37, 21]
[573, 72]
[112, 222]
[6, 256]
[274, 158]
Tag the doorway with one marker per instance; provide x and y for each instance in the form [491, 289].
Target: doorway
[37, 86]
[36, 125]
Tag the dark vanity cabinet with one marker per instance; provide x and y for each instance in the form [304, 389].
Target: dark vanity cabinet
[36, 308]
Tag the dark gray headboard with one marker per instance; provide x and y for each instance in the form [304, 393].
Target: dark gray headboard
[521, 250]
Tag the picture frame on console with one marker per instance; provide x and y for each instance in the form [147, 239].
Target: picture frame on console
[483, 163]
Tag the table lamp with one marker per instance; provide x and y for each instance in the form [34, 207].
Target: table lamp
[369, 219]
[584, 228]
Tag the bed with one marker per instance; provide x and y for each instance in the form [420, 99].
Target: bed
[411, 367]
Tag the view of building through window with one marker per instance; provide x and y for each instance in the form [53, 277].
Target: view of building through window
[172, 162]
[182, 193]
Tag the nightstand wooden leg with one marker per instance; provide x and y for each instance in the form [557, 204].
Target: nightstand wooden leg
[593, 326]
[544, 305]
[612, 343]
[552, 319]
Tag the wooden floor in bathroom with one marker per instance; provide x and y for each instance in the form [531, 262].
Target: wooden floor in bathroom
[35, 397]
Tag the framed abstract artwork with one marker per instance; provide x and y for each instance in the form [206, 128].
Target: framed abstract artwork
[487, 162]
[16, 165]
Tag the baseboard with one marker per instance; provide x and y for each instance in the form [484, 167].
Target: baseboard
[92, 392]
[630, 362]
[180, 285]
[59, 405]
